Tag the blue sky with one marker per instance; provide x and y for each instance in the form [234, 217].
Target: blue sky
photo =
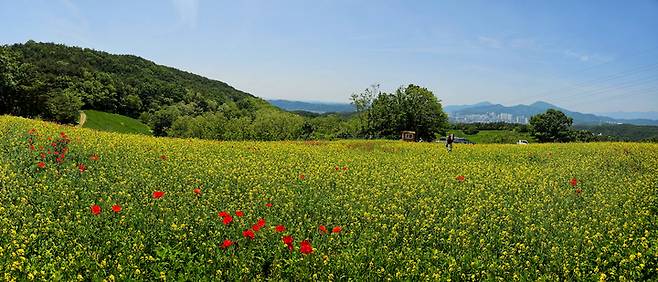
[591, 56]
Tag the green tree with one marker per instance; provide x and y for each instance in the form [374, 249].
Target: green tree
[64, 106]
[411, 108]
[161, 120]
[132, 104]
[362, 101]
[274, 125]
[551, 126]
[8, 79]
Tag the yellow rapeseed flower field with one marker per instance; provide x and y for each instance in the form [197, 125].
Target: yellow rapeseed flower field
[77, 204]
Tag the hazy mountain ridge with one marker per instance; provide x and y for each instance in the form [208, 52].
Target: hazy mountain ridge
[314, 107]
[631, 115]
[487, 112]
[466, 113]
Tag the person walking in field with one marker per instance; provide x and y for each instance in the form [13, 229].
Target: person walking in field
[449, 141]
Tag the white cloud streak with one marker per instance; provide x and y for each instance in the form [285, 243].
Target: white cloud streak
[187, 12]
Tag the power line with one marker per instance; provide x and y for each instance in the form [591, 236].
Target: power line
[623, 84]
[625, 56]
[575, 86]
[619, 95]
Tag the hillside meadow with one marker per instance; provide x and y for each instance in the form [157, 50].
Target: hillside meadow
[79, 204]
[114, 123]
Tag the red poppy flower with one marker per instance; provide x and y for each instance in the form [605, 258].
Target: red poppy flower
[239, 213]
[302, 177]
[41, 165]
[578, 191]
[280, 228]
[32, 147]
[573, 182]
[31, 131]
[323, 229]
[336, 229]
[227, 243]
[255, 227]
[227, 220]
[95, 209]
[268, 205]
[248, 233]
[82, 167]
[460, 178]
[62, 134]
[116, 208]
[197, 191]
[288, 241]
[261, 222]
[158, 194]
[94, 157]
[305, 247]
[223, 214]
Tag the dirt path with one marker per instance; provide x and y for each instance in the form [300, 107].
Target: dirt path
[83, 119]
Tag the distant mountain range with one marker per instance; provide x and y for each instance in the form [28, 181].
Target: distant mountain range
[489, 112]
[314, 107]
[631, 115]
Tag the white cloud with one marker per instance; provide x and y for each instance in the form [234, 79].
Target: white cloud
[491, 42]
[586, 57]
[580, 56]
[187, 12]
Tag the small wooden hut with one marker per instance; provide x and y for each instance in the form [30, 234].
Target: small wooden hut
[409, 136]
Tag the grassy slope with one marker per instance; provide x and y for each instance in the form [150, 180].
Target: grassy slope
[495, 136]
[114, 123]
[404, 216]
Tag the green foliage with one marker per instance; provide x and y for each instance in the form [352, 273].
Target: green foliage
[63, 106]
[8, 78]
[551, 126]
[412, 108]
[128, 85]
[471, 130]
[363, 101]
[272, 125]
[161, 120]
[623, 132]
[114, 123]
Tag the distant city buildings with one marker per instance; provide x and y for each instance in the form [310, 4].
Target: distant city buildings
[489, 117]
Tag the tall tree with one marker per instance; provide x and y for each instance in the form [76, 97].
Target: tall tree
[551, 126]
[362, 101]
[412, 108]
[64, 106]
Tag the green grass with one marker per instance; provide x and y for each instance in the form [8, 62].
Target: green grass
[114, 123]
[495, 136]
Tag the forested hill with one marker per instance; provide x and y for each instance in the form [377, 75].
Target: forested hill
[55, 81]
